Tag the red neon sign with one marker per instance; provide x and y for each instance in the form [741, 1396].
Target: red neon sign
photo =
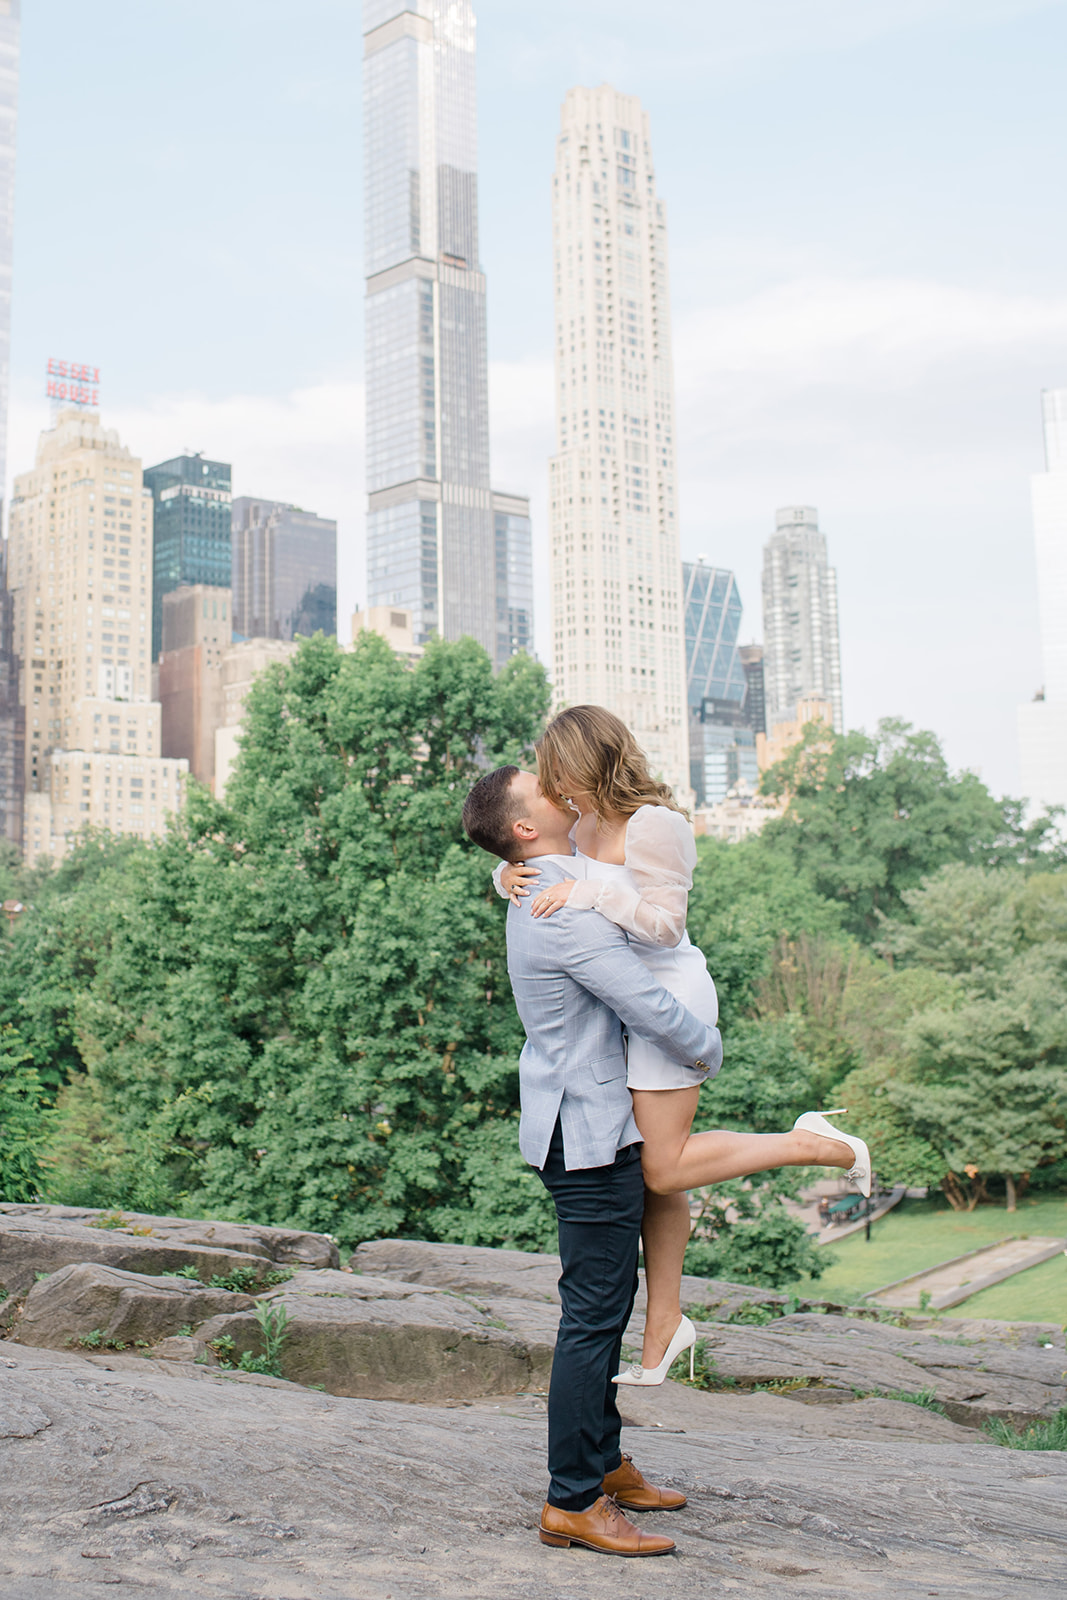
[74, 382]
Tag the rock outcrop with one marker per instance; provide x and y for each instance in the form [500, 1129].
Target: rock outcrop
[178, 1481]
[86, 1301]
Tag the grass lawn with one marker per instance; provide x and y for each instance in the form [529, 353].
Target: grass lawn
[923, 1233]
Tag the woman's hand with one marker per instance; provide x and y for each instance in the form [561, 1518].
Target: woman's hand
[552, 898]
[515, 878]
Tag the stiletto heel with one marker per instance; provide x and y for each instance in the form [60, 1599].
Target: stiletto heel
[860, 1171]
[692, 1374]
[685, 1336]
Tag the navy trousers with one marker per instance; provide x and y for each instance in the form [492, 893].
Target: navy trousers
[598, 1210]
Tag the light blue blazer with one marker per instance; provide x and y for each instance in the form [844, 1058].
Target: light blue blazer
[574, 977]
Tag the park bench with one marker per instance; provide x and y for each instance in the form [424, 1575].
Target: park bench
[844, 1209]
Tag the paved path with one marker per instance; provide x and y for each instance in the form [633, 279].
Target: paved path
[956, 1280]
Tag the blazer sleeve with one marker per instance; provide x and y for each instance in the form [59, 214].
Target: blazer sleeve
[595, 953]
[661, 855]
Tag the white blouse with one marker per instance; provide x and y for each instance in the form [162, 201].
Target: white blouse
[661, 855]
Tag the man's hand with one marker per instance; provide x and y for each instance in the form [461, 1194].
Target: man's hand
[552, 898]
[514, 878]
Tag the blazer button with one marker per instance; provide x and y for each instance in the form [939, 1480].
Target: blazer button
[701, 1066]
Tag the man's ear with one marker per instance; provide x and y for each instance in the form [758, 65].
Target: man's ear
[524, 830]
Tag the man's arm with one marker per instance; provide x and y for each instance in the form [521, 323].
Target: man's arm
[596, 954]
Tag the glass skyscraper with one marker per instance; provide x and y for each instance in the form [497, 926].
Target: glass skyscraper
[432, 532]
[284, 571]
[722, 736]
[192, 520]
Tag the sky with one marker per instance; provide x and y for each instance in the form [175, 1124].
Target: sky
[868, 244]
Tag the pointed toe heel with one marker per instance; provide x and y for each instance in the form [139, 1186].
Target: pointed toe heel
[685, 1337]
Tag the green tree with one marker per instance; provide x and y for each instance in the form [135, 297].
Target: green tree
[296, 1006]
[987, 1083]
[24, 1121]
[871, 817]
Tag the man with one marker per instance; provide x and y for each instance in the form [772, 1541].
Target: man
[574, 976]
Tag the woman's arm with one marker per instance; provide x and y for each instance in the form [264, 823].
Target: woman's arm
[661, 854]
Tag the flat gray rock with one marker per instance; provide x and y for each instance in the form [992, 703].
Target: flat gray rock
[973, 1377]
[380, 1338]
[189, 1483]
[87, 1300]
[31, 1246]
[286, 1246]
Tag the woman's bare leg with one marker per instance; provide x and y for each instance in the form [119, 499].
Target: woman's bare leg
[673, 1159]
[664, 1234]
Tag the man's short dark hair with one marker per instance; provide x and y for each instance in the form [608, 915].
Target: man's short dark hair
[489, 811]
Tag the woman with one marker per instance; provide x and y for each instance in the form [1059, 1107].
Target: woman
[643, 849]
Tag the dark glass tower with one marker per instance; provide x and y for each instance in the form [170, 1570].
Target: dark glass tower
[284, 571]
[432, 533]
[722, 740]
[192, 540]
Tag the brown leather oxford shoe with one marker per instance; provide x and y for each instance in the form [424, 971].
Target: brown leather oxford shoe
[603, 1527]
[631, 1490]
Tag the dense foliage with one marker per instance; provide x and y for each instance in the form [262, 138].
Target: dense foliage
[295, 1007]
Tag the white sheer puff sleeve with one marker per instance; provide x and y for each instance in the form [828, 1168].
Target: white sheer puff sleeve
[661, 854]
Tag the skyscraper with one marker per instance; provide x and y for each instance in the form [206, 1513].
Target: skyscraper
[192, 529]
[10, 23]
[284, 570]
[431, 530]
[1043, 723]
[80, 562]
[514, 576]
[722, 741]
[12, 717]
[802, 652]
[615, 558]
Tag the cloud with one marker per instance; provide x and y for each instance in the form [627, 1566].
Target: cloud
[610, 39]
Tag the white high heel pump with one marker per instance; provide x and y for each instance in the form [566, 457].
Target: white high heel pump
[685, 1337]
[860, 1171]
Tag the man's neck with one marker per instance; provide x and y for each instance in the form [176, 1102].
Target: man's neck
[549, 847]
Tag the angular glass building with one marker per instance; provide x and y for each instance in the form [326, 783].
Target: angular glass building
[431, 527]
[191, 500]
[722, 734]
[284, 571]
[712, 627]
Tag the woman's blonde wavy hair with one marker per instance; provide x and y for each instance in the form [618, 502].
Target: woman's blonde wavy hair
[588, 750]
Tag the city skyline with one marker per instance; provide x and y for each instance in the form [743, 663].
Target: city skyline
[885, 364]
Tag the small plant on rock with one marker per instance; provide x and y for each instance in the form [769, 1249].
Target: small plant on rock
[1050, 1435]
[705, 1367]
[274, 1326]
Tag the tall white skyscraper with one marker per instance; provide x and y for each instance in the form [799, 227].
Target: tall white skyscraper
[1043, 723]
[615, 554]
[802, 650]
[433, 541]
[10, 22]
